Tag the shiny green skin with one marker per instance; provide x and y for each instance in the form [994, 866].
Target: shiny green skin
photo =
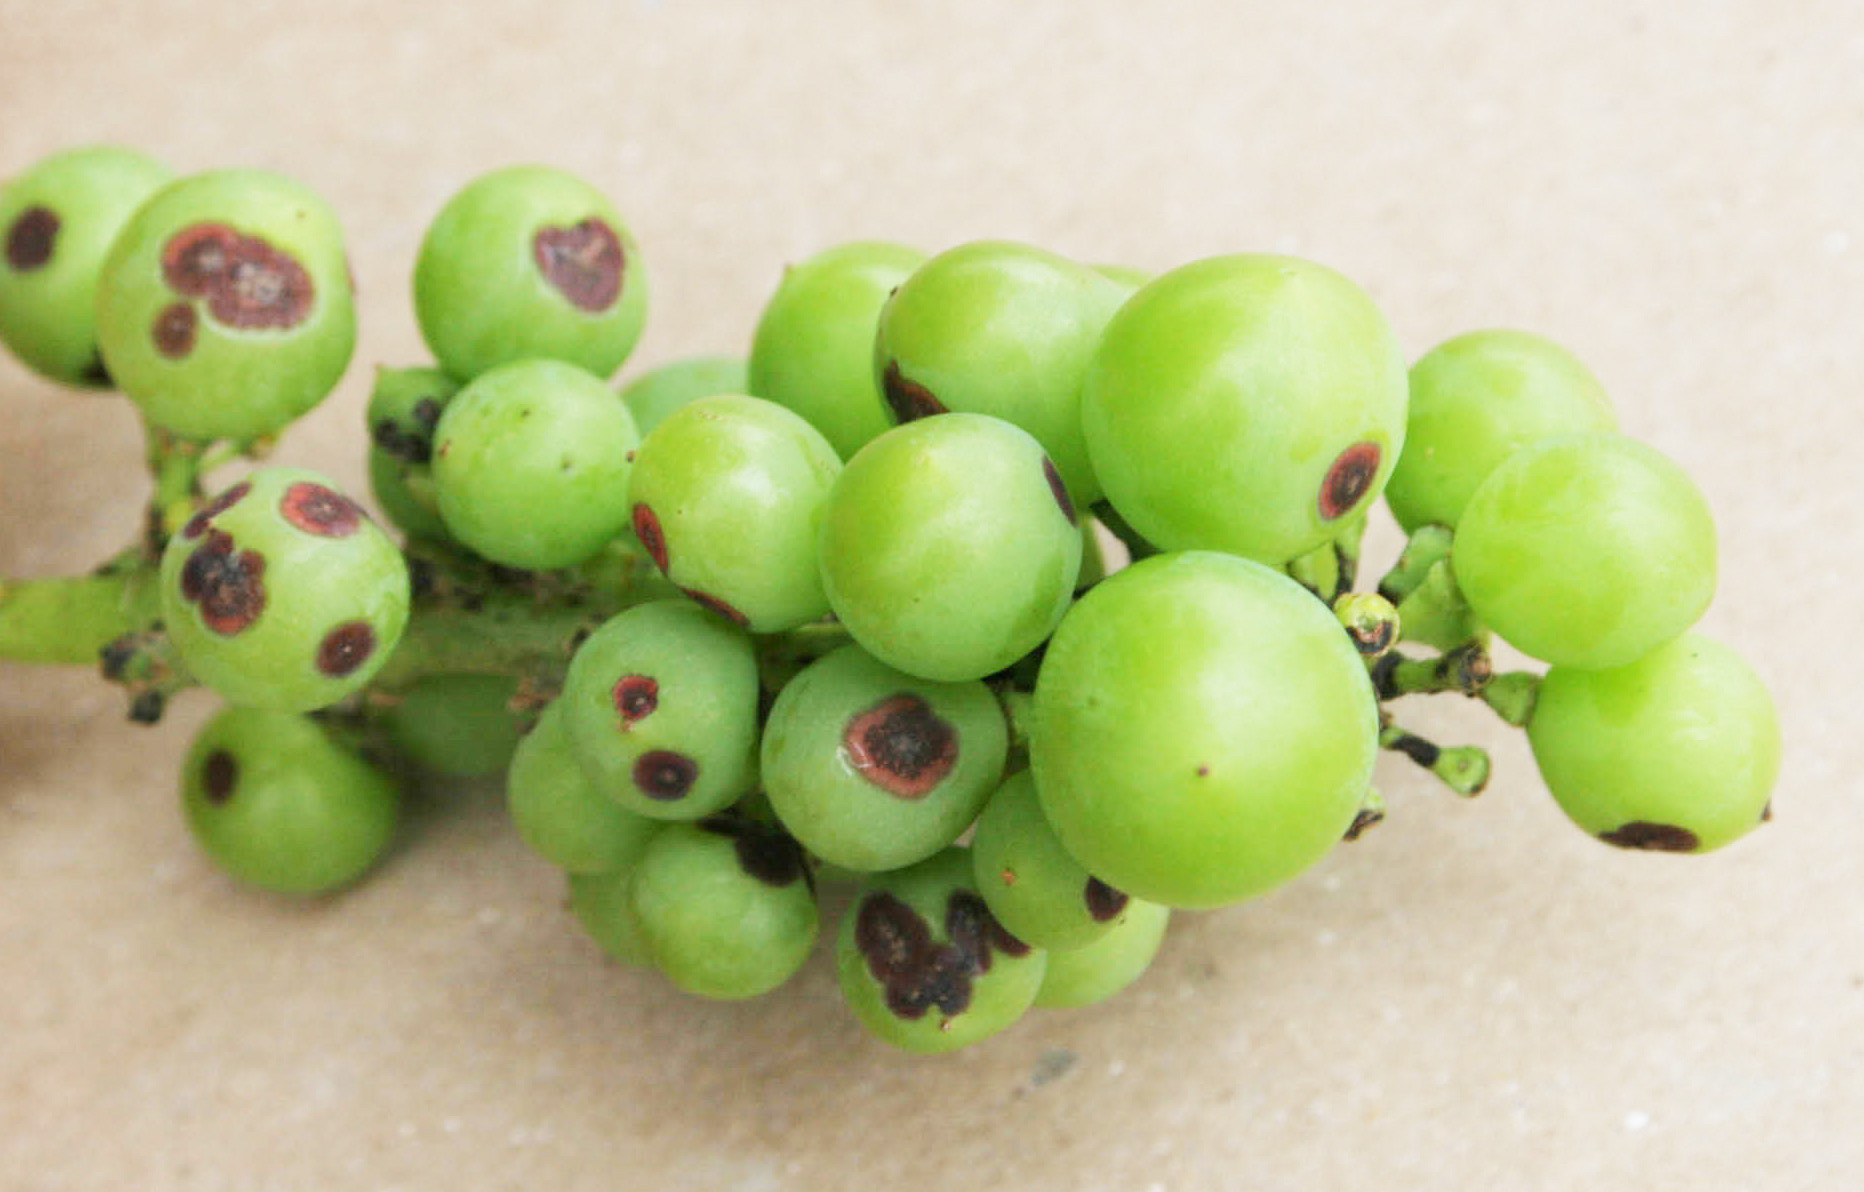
[531, 464]
[998, 996]
[458, 725]
[1685, 737]
[1224, 391]
[604, 904]
[302, 816]
[738, 485]
[1476, 400]
[827, 802]
[706, 706]
[48, 311]
[561, 814]
[1126, 277]
[713, 928]
[312, 586]
[1203, 730]
[1089, 975]
[404, 409]
[235, 383]
[944, 550]
[1032, 885]
[1587, 550]
[481, 298]
[993, 327]
[813, 350]
[653, 395]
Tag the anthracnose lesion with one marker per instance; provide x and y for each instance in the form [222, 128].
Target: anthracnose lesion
[1661, 838]
[908, 400]
[583, 262]
[918, 974]
[32, 238]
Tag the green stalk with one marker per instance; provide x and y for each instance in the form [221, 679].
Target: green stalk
[68, 620]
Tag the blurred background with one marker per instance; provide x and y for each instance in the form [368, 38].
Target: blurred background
[1474, 995]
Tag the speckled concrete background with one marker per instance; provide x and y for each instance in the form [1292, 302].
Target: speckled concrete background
[1475, 996]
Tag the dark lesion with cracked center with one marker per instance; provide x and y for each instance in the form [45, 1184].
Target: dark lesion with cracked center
[919, 974]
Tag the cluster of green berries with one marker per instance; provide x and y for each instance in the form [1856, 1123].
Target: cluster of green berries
[881, 642]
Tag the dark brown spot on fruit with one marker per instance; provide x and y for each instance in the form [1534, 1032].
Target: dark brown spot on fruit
[173, 330]
[665, 775]
[583, 263]
[763, 853]
[908, 400]
[319, 510]
[647, 529]
[197, 525]
[345, 648]
[1053, 476]
[29, 242]
[918, 975]
[227, 585]
[1103, 901]
[901, 746]
[219, 776]
[247, 282]
[1662, 838]
[636, 696]
[718, 606]
[409, 446]
[1349, 479]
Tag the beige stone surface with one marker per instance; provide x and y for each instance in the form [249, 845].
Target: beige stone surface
[1474, 996]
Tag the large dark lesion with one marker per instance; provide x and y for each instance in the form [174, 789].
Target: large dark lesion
[320, 510]
[764, 853]
[583, 262]
[246, 281]
[1660, 838]
[917, 974]
[901, 745]
[1349, 479]
[908, 400]
[32, 238]
[227, 584]
[1104, 903]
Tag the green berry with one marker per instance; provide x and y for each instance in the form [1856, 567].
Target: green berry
[57, 220]
[604, 904]
[725, 907]
[1676, 752]
[278, 805]
[529, 263]
[950, 547]
[1588, 550]
[655, 394]
[404, 408]
[559, 812]
[813, 350]
[873, 769]
[661, 706]
[728, 495]
[1093, 973]
[458, 725]
[1002, 329]
[1249, 404]
[1475, 401]
[531, 464]
[1033, 886]
[282, 594]
[224, 309]
[1203, 731]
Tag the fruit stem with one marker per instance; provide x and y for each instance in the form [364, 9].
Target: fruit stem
[1513, 696]
[1428, 546]
[501, 634]
[68, 620]
[1464, 768]
[1467, 669]
[1435, 613]
[1370, 620]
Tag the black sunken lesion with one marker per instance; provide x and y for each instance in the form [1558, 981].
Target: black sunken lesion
[1104, 903]
[917, 974]
[219, 777]
[764, 853]
[32, 238]
[1650, 837]
[908, 399]
[227, 584]
[901, 745]
[345, 649]
[1349, 479]
[665, 775]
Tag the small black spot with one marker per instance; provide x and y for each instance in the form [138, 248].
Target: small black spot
[219, 776]
[29, 242]
[664, 774]
[1661, 838]
[763, 852]
[584, 263]
[1103, 901]
[345, 648]
[901, 745]
[1349, 479]
[908, 400]
[1060, 490]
